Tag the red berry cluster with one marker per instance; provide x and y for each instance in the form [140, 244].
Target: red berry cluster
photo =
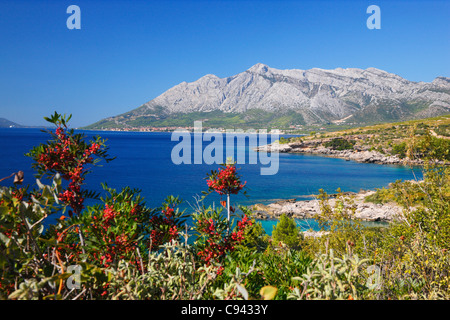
[68, 158]
[217, 244]
[164, 228]
[108, 214]
[116, 246]
[238, 235]
[226, 181]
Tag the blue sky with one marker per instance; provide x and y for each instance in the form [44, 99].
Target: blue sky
[129, 52]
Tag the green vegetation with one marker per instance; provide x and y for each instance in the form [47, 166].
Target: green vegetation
[340, 144]
[389, 111]
[287, 232]
[409, 259]
[399, 150]
[252, 119]
[284, 140]
[433, 148]
[124, 250]
[429, 136]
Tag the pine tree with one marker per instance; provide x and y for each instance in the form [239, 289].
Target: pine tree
[286, 231]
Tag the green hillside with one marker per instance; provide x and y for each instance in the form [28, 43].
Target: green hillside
[252, 119]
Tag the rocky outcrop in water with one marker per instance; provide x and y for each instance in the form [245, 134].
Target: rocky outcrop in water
[305, 209]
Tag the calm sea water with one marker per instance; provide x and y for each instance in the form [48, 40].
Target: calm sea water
[144, 162]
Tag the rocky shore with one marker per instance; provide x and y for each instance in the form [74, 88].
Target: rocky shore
[304, 209]
[359, 154]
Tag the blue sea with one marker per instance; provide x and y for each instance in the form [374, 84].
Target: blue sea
[143, 161]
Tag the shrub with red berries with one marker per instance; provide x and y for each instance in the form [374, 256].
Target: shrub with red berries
[225, 181]
[69, 155]
[166, 223]
[119, 228]
[214, 240]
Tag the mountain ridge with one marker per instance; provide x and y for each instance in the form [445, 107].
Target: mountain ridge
[305, 97]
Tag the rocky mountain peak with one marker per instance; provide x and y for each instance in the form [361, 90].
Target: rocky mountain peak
[311, 96]
[259, 68]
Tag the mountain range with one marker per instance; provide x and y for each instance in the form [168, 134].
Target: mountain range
[263, 96]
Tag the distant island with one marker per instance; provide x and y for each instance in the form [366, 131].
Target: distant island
[5, 123]
[295, 101]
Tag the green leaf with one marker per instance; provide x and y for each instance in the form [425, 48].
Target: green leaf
[4, 210]
[243, 291]
[46, 192]
[268, 292]
[40, 185]
[4, 239]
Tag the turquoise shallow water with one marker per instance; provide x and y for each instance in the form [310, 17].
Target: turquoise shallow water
[307, 224]
[144, 162]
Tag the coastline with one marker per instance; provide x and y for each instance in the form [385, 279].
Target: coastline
[314, 147]
[309, 209]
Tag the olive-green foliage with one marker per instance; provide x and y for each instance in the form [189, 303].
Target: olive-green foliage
[337, 218]
[290, 140]
[432, 213]
[280, 264]
[399, 149]
[22, 262]
[172, 274]
[433, 148]
[287, 232]
[412, 254]
[339, 144]
[412, 266]
[405, 193]
[234, 288]
[255, 238]
[443, 130]
[331, 277]
[276, 266]
[283, 140]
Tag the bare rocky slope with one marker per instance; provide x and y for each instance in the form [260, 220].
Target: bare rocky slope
[300, 96]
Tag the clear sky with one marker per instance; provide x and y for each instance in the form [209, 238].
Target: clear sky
[129, 52]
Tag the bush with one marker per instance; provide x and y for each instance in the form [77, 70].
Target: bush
[126, 250]
[171, 274]
[404, 193]
[117, 235]
[254, 235]
[332, 278]
[283, 140]
[287, 232]
[275, 267]
[411, 256]
[433, 148]
[340, 144]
